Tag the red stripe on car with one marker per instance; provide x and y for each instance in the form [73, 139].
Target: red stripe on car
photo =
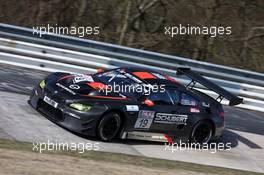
[97, 85]
[144, 75]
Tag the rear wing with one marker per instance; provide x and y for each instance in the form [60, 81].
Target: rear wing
[196, 77]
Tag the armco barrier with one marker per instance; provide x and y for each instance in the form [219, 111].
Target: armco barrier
[64, 53]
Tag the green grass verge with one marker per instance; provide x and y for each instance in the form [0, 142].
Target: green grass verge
[128, 159]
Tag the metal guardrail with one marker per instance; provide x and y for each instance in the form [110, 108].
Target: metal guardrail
[64, 53]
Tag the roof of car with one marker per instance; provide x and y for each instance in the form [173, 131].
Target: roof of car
[155, 79]
[169, 82]
[138, 69]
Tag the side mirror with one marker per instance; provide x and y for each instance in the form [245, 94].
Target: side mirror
[99, 70]
[148, 102]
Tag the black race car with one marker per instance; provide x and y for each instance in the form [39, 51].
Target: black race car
[133, 103]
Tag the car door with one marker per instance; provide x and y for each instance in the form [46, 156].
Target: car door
[170, 111]
[163, 104]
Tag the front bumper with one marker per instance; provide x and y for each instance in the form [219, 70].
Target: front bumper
[77, 121]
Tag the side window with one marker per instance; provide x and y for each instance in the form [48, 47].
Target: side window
[161, 98]
[188, 100]
[175, 96]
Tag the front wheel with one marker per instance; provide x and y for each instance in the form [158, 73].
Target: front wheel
[201, 133]
[109, 126]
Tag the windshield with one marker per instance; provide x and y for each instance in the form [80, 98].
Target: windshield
[120, 82]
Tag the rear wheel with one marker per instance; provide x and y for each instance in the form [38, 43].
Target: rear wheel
[109, 126]
[202, 132]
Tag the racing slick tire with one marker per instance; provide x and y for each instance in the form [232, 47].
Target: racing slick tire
[202, 132]
[109, 126]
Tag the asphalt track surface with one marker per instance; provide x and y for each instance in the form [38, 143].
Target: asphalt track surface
[18, 121]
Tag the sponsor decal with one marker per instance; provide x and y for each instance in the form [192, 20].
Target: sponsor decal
[81, 78]
[145, 119]
[132, 108]
[171, 118]
[146, 114]
[194, 110]
[65, 88]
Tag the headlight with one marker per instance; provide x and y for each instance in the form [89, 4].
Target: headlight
[42, 84]
[80, 107]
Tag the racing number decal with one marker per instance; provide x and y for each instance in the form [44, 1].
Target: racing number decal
[145, 119]
[143, 123]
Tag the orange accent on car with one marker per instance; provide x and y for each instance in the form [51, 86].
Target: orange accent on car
[97, 85]
[144, 75]
[149, 102]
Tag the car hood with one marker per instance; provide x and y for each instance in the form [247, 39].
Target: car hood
[74, 84]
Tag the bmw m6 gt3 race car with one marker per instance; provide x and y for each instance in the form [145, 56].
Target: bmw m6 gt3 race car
[154, 107]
